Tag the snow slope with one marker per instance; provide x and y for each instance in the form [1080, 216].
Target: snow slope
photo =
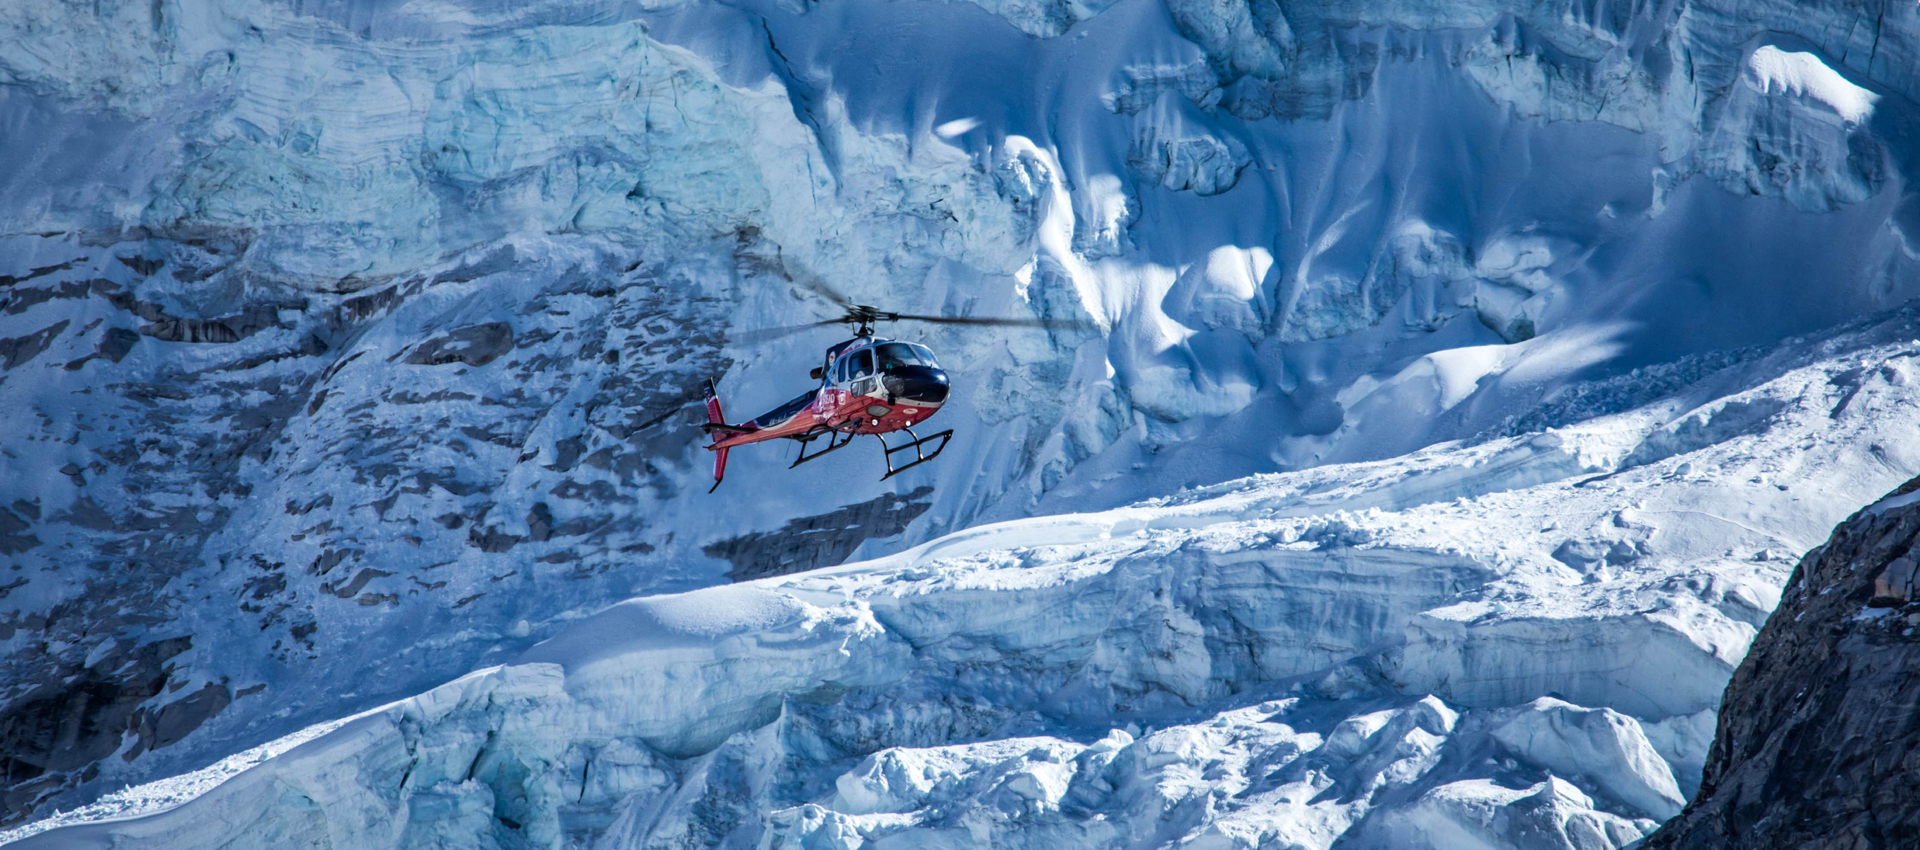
[354, 341]
[1517, 641]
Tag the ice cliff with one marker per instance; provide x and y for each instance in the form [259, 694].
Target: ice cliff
[349, 347]
[1824, 704]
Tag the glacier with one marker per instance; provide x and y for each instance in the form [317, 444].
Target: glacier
[1465, 376]
[1518, 642]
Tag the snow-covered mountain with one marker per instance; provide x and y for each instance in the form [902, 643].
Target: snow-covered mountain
[350, 347]
[1515, 643]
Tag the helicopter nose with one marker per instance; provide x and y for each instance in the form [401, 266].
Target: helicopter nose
[923, 384]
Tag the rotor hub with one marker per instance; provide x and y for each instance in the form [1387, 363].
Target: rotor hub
[863, 317]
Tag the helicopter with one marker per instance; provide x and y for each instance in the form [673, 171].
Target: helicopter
[867, 385]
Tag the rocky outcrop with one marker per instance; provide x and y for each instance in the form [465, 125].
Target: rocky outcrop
[821, 540]
[1819, 738]
[82, 716]
[475, 345]
[208, 437]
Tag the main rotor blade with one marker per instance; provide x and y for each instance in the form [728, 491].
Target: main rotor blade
[804, 277]
[1049, 324]
[770, 334]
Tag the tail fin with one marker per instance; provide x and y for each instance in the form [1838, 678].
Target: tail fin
[716, 417]
[719, 468]
[713, 405]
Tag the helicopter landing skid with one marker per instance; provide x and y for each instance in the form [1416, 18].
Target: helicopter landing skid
[920, 457]
[836, 440]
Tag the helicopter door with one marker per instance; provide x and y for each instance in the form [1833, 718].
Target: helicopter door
[861, 372]
[837, 381]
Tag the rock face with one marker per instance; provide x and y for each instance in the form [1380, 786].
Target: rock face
[1819, 739]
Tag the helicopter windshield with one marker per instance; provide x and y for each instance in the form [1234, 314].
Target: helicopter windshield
[894, 354]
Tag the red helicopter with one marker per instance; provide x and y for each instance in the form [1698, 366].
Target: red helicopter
[868, 385]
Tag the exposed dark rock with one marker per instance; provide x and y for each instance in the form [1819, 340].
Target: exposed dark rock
[540, 523]
[485, 435]
[353, 586]
[475, 345]
[822, 540]
[9, 280]
[80, 717]
[18, 350]
[17, 301]
[144, 266]
[115, 344]
[320, 501]
[327, 561]
[221, 330]
[176, 719]
[493, 539]
[567, 452]
[165, 326]
[11, 538]
[311, 346]
[496, 261]
[360, 307]
[1819, 737]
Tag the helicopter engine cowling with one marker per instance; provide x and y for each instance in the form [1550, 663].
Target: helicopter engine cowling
[917, 384]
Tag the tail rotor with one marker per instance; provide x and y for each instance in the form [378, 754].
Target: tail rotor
[716, 417]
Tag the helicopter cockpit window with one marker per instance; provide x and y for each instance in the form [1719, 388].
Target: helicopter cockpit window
[894, 354]
[862, 362]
